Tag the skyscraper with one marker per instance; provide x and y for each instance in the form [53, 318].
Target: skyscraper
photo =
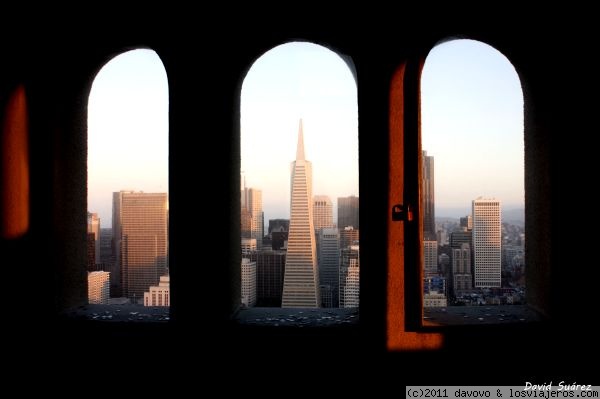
[349, 277]
[323, 220]
[279, 225]
[348, 212]
[329, 265]
[93, 226]
[98, 287]
[278, 231]
[461, 269]
[322, 212]
[487, 242]
[106, 252]
[429, 232]
[270, 270]
[248, 282]
[140, 237]
[91, 252]
[252, 214]
[430, 249]
[301, 280]
[348, 236]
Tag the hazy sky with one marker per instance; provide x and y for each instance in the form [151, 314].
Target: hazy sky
[289, 82]
[472, 124]
[472, 116]
[128, 126]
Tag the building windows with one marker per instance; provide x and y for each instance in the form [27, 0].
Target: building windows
[298, 107]
[128, 176]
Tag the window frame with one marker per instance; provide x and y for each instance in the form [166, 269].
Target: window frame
[406, 329]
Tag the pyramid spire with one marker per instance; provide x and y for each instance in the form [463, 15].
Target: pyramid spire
[300, 149]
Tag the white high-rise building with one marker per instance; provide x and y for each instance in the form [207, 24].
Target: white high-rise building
[322, 212]
[350, 277]
[487, 241]
[301, 280]
[158, 295]
[248, 282]
[98, 287]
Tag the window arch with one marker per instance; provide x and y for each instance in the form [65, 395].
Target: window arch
[306, 82]
[128, 179]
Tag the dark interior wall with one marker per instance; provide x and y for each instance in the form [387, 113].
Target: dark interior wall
[205, 67]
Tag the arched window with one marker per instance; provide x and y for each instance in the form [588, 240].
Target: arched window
[299, 191]
[128, 180]
[473, 202]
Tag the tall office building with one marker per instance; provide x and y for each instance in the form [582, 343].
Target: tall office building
[349, 277]
[270, 269]
[106, 252]
[278, 232]
[457, 238]
[91, 252]
[487, 242]
[252, 214]
[279, 225]
[107, 260]
[98, 287]
[140, 237]
[430, 249]
[322, 212]
[348, 212]
[329, 264]
[93, 226]
[466, 223]
[429, 232]
[301, 281]
[248, 282]
[461, 269]
[323, 219]
[348, 236]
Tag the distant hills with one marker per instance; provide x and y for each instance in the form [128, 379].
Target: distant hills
[514, 216]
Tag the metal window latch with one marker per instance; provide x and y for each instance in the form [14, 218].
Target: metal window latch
[402, 213]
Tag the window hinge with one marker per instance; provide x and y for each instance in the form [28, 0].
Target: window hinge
[402, 212]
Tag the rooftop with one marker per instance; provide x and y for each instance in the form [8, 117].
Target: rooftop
[120, 313]
[465, 315]
[301, 317]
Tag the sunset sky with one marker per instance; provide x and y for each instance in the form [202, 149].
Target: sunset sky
[472, 116]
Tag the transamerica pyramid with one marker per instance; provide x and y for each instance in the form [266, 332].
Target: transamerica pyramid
[301, 280]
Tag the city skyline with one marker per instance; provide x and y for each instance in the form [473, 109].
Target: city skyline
[128, 103]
